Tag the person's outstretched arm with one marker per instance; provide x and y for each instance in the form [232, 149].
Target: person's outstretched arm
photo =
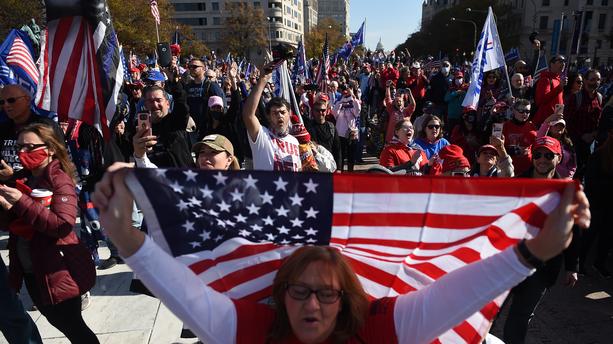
[421, 316]
[252, 124]
[209, 314]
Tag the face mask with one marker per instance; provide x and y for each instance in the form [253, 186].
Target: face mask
[459, 81]
[216, 114]
[31, 160]
[445, 70]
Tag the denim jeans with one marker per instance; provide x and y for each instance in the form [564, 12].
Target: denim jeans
[15, 324]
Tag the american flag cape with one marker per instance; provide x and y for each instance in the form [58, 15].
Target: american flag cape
[80, 62]
[233, 229]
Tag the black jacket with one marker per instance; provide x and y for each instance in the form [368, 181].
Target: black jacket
[569, 258]
[325, 135]
[172, 148]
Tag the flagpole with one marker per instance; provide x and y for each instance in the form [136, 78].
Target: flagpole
[157, 31]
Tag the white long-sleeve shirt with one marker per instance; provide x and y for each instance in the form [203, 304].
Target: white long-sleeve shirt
[419, 316]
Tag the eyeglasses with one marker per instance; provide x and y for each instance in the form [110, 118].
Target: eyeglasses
[548, 155]
[194, 66]
[433, 126]
[460, 173]
[524, 111]
[28, 147]
[11, 100]
[325, 295]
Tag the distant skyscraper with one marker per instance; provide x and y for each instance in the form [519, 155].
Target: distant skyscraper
[310, 14]
[337, 10]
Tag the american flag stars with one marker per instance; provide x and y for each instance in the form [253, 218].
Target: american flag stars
[217, 206]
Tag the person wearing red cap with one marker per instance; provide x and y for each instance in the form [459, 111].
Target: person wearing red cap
[546, 155]
[549, 89]
[493, 160]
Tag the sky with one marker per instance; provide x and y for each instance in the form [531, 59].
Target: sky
[390, 20]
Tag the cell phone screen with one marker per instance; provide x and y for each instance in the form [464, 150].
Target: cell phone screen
[497, 130]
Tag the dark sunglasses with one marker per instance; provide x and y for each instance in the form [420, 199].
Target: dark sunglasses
[11, 100]
[325, 295]
[524, 111]
[194, 66]
[28, 147]
[548, 155]
[434, 126]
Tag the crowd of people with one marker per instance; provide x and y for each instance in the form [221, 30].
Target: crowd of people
[209, 114]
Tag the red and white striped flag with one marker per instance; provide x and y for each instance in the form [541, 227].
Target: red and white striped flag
[155, 12]
[80, 63]
[399, 234]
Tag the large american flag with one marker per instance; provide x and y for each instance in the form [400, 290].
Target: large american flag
[400, 233]
[80, 62]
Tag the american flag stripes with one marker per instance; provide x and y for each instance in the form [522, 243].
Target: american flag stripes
[400, 234]
[17, 64]
[324, 67]
[81, 64]
[155, 12]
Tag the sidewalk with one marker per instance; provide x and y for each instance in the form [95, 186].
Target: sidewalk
[116, 315]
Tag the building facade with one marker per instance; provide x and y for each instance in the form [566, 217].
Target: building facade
[310, 14]
[591, 20]
[337, 10]
[206, 18]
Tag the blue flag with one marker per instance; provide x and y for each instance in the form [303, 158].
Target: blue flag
[358, 38]
[300, 72]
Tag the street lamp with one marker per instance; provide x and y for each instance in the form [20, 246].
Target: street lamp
[468, 9]
[269, 35]
[474, 27]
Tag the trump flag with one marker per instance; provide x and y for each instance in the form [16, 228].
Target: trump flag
[233, 229]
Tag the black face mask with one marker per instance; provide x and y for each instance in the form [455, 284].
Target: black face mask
[216, 115]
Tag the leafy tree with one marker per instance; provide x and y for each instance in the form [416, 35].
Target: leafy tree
[16, 13]
[455, 37]
[132, 21]
[245, 29]
[314, 40]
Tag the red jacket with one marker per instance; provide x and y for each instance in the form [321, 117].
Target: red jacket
[398, 153]
[54, 246]
[389, 74]
[418, 85]
[549, 91]
[518, 140]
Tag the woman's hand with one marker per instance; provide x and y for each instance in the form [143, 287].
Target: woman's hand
[557, 234]
[6, 172]
[115, 203]
[9, 196]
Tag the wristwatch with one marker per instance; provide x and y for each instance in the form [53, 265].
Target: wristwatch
[528, 256]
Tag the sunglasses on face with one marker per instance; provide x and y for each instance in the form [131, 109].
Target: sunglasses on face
[194, 66]
[325, 295]
[548, 155]
[28, 147]
[434, 126]
[11, 100]
[524, 111]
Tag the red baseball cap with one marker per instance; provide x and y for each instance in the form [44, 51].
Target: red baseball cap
[548, 143]
[487, 147]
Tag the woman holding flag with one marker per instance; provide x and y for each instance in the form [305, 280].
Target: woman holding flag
[317, 296]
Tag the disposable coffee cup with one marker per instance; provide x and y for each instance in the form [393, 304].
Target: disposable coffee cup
[42, 196]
